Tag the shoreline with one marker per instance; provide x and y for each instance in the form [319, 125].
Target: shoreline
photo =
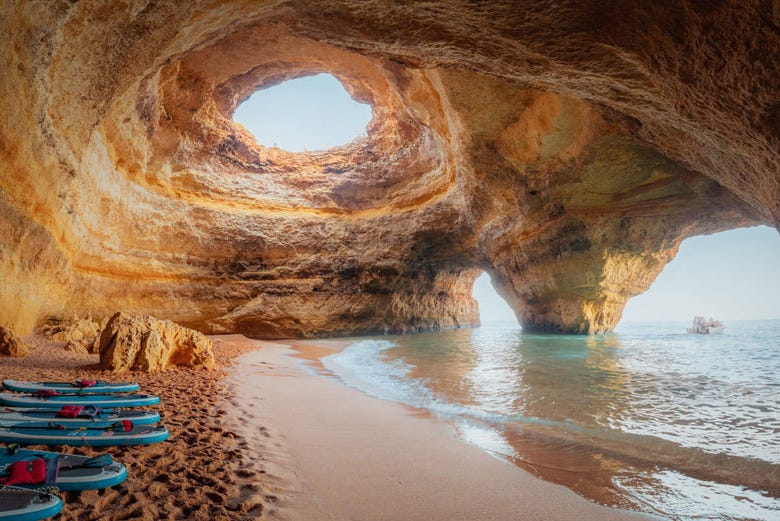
[271, 434]
[346, 455]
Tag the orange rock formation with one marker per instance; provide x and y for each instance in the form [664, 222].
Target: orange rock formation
[566, 148]
[12, 345]
[144, 343]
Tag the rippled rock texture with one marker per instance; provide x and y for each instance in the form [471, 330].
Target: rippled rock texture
[566, 148]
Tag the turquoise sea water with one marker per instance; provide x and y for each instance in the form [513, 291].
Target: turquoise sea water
[648, 418]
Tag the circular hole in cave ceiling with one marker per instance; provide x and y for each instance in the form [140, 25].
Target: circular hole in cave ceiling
[312, 113]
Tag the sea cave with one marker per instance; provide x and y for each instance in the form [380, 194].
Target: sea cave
[566, 151]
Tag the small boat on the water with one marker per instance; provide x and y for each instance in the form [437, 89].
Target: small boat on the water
[703, 326]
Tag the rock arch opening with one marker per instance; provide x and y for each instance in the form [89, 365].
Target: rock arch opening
[731, 275]
[311, 113]
[492, 307]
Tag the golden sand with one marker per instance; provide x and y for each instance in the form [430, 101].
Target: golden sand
[203, 471]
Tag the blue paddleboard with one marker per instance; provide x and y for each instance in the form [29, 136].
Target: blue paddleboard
[21, 504]
[75, 472]
[52, 433]
[89, 417]
[98, 400]
[77, 387]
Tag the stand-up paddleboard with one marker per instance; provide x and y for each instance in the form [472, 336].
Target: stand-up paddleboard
[75, 472]
[89, 416]
[76, 387]
[21, 504]
[52, 433]
[107, 401]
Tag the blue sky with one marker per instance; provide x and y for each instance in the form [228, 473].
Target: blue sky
[734, 275]
[311, 113]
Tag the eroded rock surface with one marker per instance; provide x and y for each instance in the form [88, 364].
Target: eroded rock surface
[83, 332]
[144, 343]
[76, 347]
[567, 148]
[12, 345]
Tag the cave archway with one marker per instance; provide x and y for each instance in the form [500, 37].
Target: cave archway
[492, 307]
[731, 275]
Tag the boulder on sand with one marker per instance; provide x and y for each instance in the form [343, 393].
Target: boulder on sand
[12, 345]
[145, 343]
[76, 347]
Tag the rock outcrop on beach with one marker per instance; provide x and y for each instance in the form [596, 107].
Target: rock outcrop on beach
[12, 345]
[82, 331]
[144, 343]
[566, 148]
[76, 347]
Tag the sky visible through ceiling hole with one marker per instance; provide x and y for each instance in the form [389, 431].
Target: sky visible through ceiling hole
[304, 114]
[732, 275]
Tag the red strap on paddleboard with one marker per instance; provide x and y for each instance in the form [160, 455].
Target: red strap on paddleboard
[70, 411]
[46, 393]
[85, 383]
[25, 472]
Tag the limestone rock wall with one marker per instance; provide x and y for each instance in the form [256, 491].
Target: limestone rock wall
[567, 148]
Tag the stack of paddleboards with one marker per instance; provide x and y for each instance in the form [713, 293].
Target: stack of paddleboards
[80, 413]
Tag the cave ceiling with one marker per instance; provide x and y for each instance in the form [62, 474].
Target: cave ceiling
[566, 148]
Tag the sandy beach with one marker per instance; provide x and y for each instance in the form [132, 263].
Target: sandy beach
[356, 457]
[268, 436]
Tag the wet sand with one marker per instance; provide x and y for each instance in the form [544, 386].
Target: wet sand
[204, 471]
[349, 456]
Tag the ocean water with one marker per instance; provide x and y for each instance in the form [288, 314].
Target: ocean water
[648, 418]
